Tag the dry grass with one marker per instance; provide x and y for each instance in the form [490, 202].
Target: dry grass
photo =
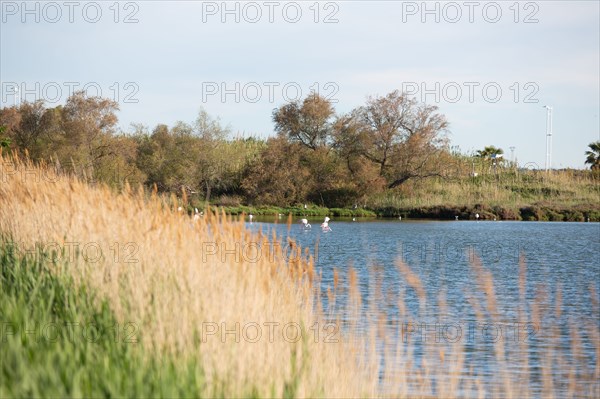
[189, 276]
[507, 188]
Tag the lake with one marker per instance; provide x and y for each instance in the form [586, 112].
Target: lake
[562, 263]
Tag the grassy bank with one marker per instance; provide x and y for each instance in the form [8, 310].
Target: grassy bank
[570, 195]
[205, 308]
[60, 340]
[235, 306]
[310, 211]
[529, 195]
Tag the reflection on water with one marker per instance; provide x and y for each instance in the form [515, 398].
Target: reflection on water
[562, 263]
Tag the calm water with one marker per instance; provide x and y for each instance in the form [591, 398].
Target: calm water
[565, 255]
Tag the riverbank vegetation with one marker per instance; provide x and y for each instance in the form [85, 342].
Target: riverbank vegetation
[388, 157]
[106, 294]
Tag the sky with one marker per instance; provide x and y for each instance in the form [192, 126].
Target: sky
[490, 67]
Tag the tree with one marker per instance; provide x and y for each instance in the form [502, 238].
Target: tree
[490, 152]
[211, 163]
[384, 121]
[88, 124]
[210, 128]
[396, 133]
[593, 156]
[119, 166]
[278, 176]
[168, 157]
[490, 156]
[187, 157]
[31, 126]
[419, 157]
[308, 123]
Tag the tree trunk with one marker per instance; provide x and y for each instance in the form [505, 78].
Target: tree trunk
[399, 181]
[207, 192]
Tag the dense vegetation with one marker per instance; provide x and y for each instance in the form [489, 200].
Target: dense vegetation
[389, 157]
[160, 314]
[58, 342]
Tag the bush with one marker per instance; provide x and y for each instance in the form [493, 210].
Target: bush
[342, 197]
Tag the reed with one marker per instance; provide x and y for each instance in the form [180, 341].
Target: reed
[238, 314]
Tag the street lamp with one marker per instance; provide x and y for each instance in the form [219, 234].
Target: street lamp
[548, 137]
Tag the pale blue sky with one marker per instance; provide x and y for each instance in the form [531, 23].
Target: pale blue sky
[177, 51]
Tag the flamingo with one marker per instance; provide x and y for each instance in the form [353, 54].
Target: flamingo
[325, 225]
[305, 224]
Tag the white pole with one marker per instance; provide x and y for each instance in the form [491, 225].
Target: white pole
[548, 137]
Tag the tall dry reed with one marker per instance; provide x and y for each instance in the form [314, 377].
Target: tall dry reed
[247, 306]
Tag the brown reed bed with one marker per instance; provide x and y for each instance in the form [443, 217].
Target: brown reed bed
[248, 308]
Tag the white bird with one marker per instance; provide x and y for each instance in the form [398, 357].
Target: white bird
[325, 225]
[456, 217]
[251, 216]
[305, 224]
[477, 216]
[354, 219]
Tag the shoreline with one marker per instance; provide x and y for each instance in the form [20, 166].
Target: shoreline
[532, 212]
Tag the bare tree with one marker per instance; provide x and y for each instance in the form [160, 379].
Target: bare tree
[401, 136]
[309, 123]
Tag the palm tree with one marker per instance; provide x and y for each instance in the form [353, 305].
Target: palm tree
[490, 152]
[593, 156]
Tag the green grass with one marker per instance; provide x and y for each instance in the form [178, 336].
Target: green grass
[568, 195]
[58, 340]
[310, 210]
[44, 352]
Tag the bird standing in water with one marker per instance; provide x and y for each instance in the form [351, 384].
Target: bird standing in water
[325, 225]
[305, 224]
